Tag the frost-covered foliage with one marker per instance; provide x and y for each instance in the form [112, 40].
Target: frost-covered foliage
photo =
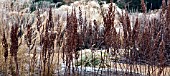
[40, 42]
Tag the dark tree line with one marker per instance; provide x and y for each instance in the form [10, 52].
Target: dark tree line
[55, 1]
[129, 4]
[136, 4]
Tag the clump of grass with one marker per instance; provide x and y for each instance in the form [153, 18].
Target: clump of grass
[47, 39]
[52, 37]
[5, 46]
[71, 37]
[109, 31]
[144, 9]
[14, 46]
[29, 37]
